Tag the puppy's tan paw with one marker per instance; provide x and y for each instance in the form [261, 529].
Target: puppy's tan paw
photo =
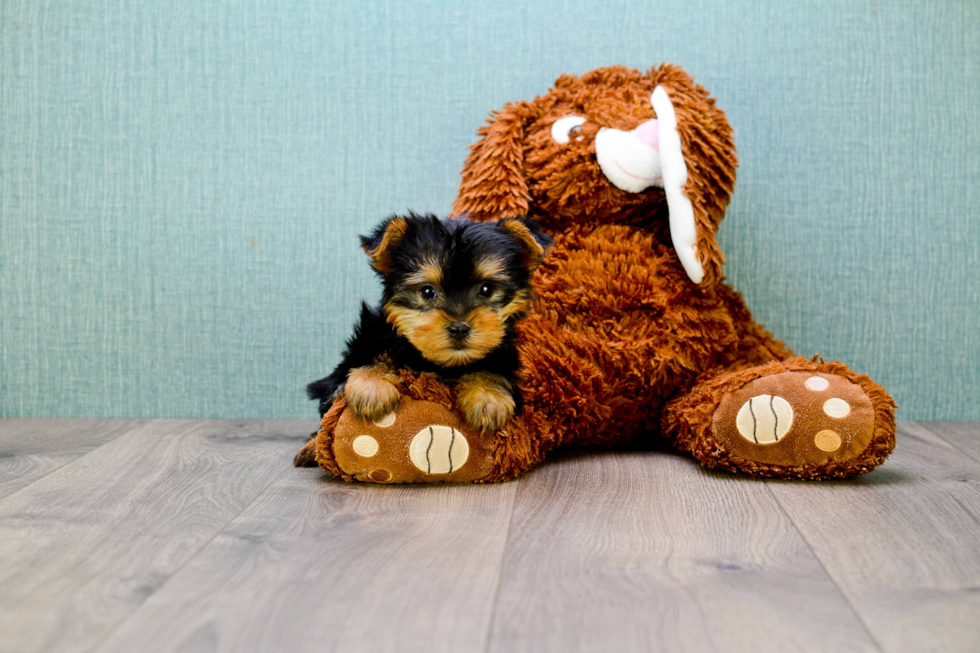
[485, 400]
[370, 393]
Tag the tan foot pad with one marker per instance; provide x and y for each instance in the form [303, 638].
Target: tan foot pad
[421, 442]
[795, 418]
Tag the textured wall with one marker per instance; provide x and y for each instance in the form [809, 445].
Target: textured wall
[181, 187]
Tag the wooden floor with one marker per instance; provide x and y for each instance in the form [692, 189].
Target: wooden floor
[163, 535]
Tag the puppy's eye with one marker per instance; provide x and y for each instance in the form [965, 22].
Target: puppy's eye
[486, 290]
[562, 127]
[427, 292]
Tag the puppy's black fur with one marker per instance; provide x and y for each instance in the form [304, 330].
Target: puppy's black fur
[453, 275]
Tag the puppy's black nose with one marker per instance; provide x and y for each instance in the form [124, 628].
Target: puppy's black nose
[459, 330]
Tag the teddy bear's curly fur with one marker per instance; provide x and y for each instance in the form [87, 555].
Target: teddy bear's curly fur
[625, 341]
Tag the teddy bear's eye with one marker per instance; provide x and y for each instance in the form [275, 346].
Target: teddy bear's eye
[562, 127]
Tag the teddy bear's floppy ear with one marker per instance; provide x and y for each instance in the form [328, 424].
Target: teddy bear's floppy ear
[381, 243]
[493, 184]
[698, 158]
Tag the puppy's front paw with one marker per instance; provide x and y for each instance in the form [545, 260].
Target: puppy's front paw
[370, 393]
[485, 400]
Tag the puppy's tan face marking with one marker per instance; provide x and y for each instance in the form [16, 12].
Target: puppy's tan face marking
[453, 294]
[489, 268]
[428, 331]
[519, 304]
[488, 330]
[425, 321]
[429, 272]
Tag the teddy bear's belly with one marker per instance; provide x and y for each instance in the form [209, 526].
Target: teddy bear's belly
[608, 271]
[618, 285]
[615, 310]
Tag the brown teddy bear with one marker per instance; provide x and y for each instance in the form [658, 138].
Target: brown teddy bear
[633, 334]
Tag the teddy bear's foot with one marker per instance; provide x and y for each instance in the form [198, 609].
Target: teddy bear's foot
[424, 440]
[306, 457]
[420, 442]
[791, 419]
[794, 419]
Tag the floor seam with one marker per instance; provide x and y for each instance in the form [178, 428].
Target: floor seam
[843, 594]
[927, 426]
[74, 460]
[500, 573]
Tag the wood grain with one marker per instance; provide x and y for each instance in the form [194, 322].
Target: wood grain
[199, 536]
[635, 551]
[32, 448]
[84, 546]
[964, 436]
[902, 543]
[320, 565]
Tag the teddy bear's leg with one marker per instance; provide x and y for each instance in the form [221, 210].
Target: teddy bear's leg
[425, 440]
[794, 418]
[306, 456]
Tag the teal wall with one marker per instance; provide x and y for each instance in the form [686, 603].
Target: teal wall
[181, 186]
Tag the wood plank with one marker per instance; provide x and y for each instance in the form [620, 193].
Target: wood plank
[903, 542]
[631, 551]
[965, 436]
[84, 546]
[33, 448]
[317, 564]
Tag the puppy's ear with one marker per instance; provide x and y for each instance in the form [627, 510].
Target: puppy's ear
[529, 236]
[493, 184]
[382, 242]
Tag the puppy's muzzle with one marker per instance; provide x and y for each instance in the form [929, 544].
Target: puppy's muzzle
[458, 331]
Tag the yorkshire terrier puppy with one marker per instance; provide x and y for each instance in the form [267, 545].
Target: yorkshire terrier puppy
[453, 292]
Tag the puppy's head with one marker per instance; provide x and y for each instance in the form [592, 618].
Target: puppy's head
[614, 145]
[452, 287]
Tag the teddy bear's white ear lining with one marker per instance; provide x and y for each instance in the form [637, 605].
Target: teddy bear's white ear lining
[683, 231]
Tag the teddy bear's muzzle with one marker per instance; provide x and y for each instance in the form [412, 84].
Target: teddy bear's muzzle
[651, 155]
[630, 160]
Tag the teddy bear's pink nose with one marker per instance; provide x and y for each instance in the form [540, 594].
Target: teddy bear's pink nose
[649, 134]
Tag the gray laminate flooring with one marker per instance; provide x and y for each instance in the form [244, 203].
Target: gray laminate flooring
[198, 535]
